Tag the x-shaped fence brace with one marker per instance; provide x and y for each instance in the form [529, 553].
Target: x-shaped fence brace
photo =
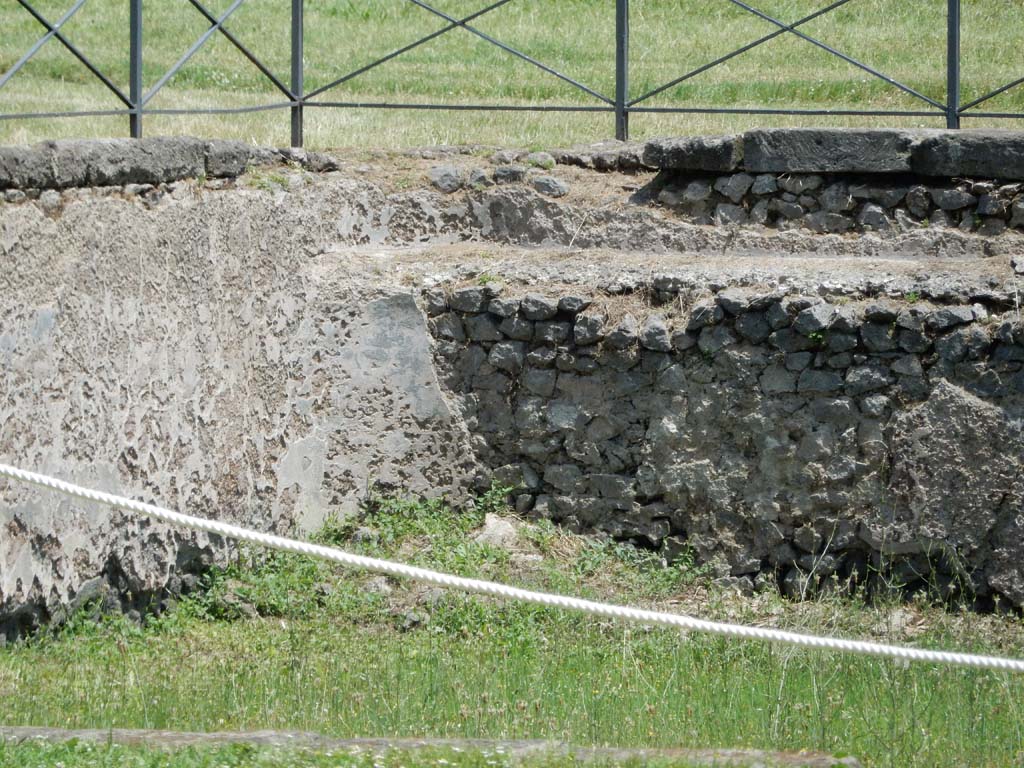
[791, 28]
[136, 102]
[53, 31]
[463, 23]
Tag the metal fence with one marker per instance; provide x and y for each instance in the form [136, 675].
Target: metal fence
[621, 104]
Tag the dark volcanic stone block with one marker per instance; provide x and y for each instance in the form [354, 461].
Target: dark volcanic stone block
[989, 154]
[232, 158]
[101, 163]
[695, 153]
[827, 150]
[144, 161]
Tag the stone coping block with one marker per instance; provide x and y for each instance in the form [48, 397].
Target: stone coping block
[695, 153]
[65, 164]
[976, 153]
[828, 150]
[987, 154]
[157, 160]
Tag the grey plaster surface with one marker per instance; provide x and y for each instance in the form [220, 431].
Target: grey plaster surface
[206, 358]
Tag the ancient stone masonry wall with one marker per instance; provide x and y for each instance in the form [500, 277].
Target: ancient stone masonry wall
[845, 180]
[251, 348]
[773, 435]
[841, 203]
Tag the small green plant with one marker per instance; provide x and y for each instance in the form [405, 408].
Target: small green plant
[494, 500]
[486, 279]
[817, 337]
[267, 181]
[396, 519]
[912, 297]
[543, 534]
[335, 531]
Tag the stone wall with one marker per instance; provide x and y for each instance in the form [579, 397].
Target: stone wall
[775, 436]
[843, 203]
[26, 171]
[255, 352]
[831, 180]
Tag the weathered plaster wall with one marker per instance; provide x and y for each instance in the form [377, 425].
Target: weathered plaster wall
[205, 357]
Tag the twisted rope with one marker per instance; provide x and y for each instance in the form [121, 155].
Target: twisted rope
[623, 613]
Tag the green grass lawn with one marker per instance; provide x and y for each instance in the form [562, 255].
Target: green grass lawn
[281, 642]
[903, 39]
[85, 755]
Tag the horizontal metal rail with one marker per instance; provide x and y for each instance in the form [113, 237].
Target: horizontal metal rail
[460, 107]
[222, 110]
[137, 102]
[770, 111]
[55, 115]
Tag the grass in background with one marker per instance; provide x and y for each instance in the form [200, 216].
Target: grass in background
[282, 642]
[905, 40]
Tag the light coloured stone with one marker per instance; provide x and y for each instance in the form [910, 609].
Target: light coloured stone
[497, 532]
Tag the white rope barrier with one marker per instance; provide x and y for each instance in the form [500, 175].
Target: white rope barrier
[493, 589]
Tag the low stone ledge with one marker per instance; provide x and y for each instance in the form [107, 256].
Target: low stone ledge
[987, 154]
[67, 164]
[157, 160]
[991, 155]
[828, 150]
[976, 154]
[695, 153]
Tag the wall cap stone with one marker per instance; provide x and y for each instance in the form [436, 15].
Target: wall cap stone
[996, 154]
[157, 160]
[828, 150]
[989, 154]
[695, 153]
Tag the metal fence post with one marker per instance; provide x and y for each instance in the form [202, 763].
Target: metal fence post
[297, 71]
[953, 64]
[621, 69]
[135, 68]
